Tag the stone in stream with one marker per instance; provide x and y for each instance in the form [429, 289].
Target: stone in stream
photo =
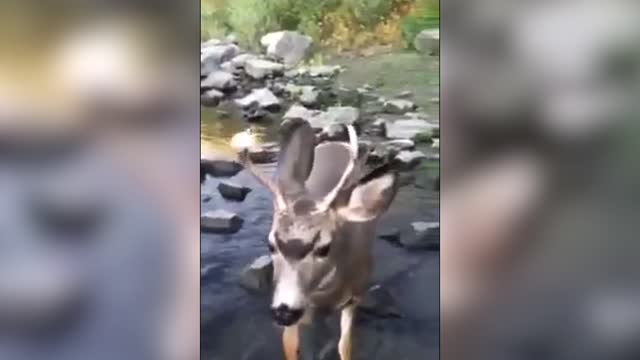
[379, 302]
[263, 98]
[323, 70]
[308, 95]
[289, 46]
[399, 144]
[391, 235]
[399, 106]
[213, 55]
[405, 95]
[220, 222]
[259, 69]
[205, 198]
[266, 153]
[219, 168]
[426, 235]
[408, 160]
[211, 98]
[220, 80]
[241, 60]
[428, 42]
[258, 276]
[407, 128]
[232, 191]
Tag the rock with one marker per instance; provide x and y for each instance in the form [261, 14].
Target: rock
[220, 80]
[399, 144]
[219, 168]
[405, 95]
[323, 70]
[428, 42]
[211, 98]
[426, 235]
[266, 153]
[220, 222]
[263, 98]
[391, 235]
[349, 97]
[289, 46]
[408, 160]
[258, 276]
[407, 128]
[399, 106]
[234, 192]
[346, 115]
[307, 95]
[212, 56]
[206, 198]
[259, 69]
[297, 111]
[379, 302]
[436, 144]
[241, 60]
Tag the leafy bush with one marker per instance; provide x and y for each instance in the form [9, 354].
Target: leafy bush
[425, 16]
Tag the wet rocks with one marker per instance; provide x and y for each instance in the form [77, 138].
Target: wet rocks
[288, 46]
[323, 70]
[220, 80]
[211, 98]
[391, 235]
[428, 42]
[266, 153]
[219, 168]
[258, 275]
[321, 120]
[220, 222]
[399, 106]
[215, 52]
[232, 191]
[407, 128]
[262, 98]
[259, 69]
[426, 235]
[399, 144]
[308, 95]
[408, 160]
[379, 302]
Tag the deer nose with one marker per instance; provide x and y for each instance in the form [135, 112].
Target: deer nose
[286, 316]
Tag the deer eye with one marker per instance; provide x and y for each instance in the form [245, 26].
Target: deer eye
[272, 249]
[322, 251]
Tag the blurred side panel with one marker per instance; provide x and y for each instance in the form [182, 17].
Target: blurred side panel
[99, 148]
[539, 118]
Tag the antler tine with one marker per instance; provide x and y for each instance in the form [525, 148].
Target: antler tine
[266, 182]
[353, 147]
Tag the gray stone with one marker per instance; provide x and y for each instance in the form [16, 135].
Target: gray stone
[324, 70]
[399, 144]
[205, 198]
[241, 60]
[379, 302]
[399, 106]
[219, 168]
[289, 46]
[408, 160]
[212, 56]
[405, 94]
[220, 80]
[391, 235]
[426, 235]
[266, 153]
[263, 98]
[307, 95]
[211, 98]
[428, 42]
[220, 222]
[258, 276]
[349, 97]
[259, 69]
[407, 128]
[232, 191]
[297, 111]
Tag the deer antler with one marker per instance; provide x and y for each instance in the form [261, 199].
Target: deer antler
[353, 151]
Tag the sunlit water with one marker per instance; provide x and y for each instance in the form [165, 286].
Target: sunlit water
[236, 324]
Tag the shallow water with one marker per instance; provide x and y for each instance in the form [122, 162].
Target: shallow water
[236, 324]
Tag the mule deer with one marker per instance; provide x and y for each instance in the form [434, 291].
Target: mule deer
[325, 212]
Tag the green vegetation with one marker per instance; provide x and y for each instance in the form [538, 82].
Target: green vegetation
[336, 24]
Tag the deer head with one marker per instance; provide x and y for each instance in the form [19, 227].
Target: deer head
[317, 190]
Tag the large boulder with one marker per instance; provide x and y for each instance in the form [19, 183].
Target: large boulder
[220, 222]
[259, 68]
[232, 191]
[211, 97]
[212, 55]
[289, 46]
[428, 42]
[262, 98]
[257, 277]
[407, 128]
[220, 80]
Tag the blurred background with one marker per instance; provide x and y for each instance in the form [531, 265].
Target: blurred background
[370, 63]
[98, 170]
[539, 128]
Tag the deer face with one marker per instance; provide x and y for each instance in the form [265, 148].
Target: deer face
[318, 189]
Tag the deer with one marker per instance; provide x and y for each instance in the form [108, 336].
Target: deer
[325, 210]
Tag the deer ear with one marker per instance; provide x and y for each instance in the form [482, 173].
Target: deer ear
[296, 157]
[370, 199]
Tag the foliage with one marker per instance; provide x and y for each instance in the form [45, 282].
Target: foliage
[337, 24]
[425, 16]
